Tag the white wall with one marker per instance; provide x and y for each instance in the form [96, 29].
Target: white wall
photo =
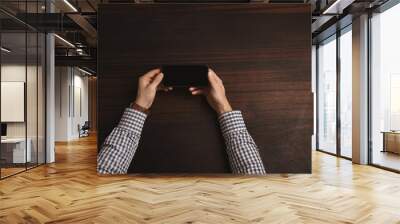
[12, 101]
[11, 73]
[70, 84]
[17, 73]
[62, 81]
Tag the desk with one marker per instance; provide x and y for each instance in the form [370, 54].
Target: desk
[260, 51]
[391, 141]
[13, 150]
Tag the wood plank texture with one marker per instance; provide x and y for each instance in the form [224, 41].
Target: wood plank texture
[69, 191]
[261, 51]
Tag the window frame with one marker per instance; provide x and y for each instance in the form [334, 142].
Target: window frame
[334, 37]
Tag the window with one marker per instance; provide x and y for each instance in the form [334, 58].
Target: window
[334, 62]
[394, 102]
[327, 95]
[346, 93]
[385, 89]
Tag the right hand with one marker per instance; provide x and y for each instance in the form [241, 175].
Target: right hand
[148, 85]
[215, 93]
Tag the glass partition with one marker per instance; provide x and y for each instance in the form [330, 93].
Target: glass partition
[14, 153]
[327, 95]
[22, 88]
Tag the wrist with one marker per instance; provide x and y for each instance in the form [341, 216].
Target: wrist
[142, 103]
[138, 107]
[224, 109]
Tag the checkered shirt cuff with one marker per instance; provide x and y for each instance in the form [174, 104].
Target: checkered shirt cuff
[231, 122]
[132, 120]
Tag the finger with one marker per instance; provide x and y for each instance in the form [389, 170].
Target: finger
[192, 88]
[166, 89]
[152, 73]
[157, 80]
[211, 71]
[198, 92]
[212, 78]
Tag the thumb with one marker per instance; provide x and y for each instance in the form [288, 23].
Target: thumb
[157, 80]
[212, 79]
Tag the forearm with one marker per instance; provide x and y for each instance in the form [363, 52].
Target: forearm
[120, 146]
[243, 153]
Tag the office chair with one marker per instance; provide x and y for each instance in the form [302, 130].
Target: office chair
[84, 130]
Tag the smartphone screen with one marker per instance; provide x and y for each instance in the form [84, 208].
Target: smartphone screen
[185, 75]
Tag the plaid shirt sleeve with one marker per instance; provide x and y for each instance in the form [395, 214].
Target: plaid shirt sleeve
[242, 151]
[120, 146]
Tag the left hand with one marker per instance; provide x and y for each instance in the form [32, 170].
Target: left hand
[215, 93]
[148, 85]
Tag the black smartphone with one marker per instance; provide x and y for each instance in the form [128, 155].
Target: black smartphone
[185, 75]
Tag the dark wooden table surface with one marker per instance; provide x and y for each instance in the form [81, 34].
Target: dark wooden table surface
[261, 51]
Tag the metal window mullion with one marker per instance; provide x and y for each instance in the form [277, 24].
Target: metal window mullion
[338, 98]
[45, 89]
[26, 86]
[317, 97]
[37, 91]
[369, 96]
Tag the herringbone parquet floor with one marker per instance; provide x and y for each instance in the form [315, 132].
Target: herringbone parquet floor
[70, 191]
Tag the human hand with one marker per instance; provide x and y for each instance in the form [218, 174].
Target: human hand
[215, 93]
[148, 85]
